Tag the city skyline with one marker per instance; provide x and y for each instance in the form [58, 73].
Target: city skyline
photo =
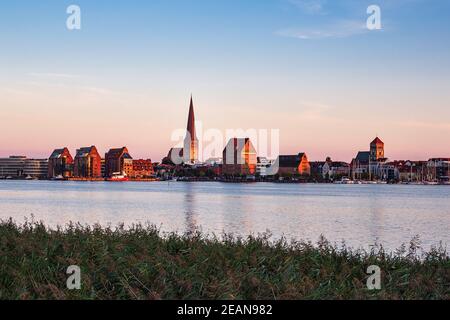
[132, 67]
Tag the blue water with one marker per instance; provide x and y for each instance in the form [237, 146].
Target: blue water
[361, 215]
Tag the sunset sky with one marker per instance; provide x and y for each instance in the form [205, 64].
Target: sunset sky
[307, 67]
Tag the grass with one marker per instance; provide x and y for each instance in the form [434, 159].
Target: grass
[142, 263]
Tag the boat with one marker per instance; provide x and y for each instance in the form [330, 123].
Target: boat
[344, 181]
[118, 177]
[58, 178]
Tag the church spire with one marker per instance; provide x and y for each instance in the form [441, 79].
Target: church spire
[191, 121]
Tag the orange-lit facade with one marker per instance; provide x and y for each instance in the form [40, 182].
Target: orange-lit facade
[87, 163]
[293, 165]
[142, 168]
[60, 164]
[239, 157]
[118, 161]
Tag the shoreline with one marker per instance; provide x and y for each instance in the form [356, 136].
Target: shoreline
[233, 181]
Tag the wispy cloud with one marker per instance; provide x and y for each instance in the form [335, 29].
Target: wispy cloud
[52, 75]
[340, 29]
[310, 6]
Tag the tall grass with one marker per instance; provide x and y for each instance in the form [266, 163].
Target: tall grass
[142, 263]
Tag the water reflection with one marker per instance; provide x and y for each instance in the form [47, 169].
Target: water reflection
[190, 209]
[359, 214]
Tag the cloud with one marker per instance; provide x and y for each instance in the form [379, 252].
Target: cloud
[340, 29]
[310, 6]
[53, 75]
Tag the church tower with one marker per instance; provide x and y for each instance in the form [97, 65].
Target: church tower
[376, 149]
[190, 150]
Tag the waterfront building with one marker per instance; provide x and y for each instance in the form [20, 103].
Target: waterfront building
[293, 165]
[239, 157]
[35, 168]
[22, 167]
[118, 161]
[335, 169]
[438, 169]
[190, 150]
[370, 164]
[60, 164]
[12, 167]
[87, 163]
[376, 150]
[263, 166]
[143, 168]
[317, 170]
[408, 171]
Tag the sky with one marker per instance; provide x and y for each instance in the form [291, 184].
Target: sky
[309, 68]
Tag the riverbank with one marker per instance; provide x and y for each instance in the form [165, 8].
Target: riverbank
[142, 263]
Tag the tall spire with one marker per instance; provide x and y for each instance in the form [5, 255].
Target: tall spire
[191, 121]
[190, 150]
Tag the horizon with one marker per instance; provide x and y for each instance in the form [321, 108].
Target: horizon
[125, 78]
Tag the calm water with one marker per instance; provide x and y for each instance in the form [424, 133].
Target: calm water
[359, 214]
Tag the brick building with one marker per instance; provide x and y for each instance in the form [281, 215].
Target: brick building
[60, 164]
[143, 168]
[87, 163]
[293, 165]
[239, 157]
[118, 161]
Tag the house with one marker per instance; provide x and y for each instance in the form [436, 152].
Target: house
[239, 157]
[293, 165]
[87, 163]
[118, 161]
[335, 169]
[438, 169]
[60, 164]
[143, 168]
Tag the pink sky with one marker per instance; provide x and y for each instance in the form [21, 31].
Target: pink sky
[40, 117]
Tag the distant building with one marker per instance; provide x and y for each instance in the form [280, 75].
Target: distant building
[438, 169]
[335, 169]
[118, 161]
[36, 168]
[60, 164]
[22, 167]
[376, 150]
[263, 166]
[12, 166]
[239, 157]
[143, 169]
[370, 164]
[87, 163]
[190, 150]
[293, 165]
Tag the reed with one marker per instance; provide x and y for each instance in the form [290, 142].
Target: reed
[141, 262]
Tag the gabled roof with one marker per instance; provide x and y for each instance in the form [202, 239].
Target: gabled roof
[290, 161]
[126, 155]
[239, 144]
[84, 152]
[339, 164]
[377, 141]
[118, 152]
[363, 156]
[57, 153]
